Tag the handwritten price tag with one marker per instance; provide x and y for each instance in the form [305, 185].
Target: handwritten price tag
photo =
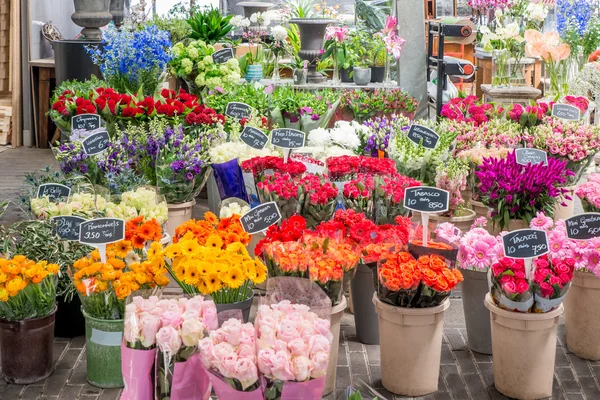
[426, 199]
[525, 243]
[86, 122]
[287, 138]
[96, 143]
[422, 135]
[222, 56]
[584, 226]
[260, 218]
[238, 110]
[531, 156]
[102, 231]
[254, 137]
[54, 191]
[566, 111]
[67, 226]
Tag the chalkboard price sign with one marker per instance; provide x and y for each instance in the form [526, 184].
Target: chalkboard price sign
[254, 137]
[420, 134]
[583, 226]
[54, 191]
[238, 110]
[102, 231]
[426, 199]
[95, 143]
[525, 243]
[85, 122]
[288, 138]
[221, 56]
[566, 111]
[260, 218]
[67, 227]
[531, 156]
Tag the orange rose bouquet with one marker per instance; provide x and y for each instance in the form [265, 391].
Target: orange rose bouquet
[228, 229]
[103, 287]
[408, 282]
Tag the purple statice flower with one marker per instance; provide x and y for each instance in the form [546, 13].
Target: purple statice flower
[178, 166]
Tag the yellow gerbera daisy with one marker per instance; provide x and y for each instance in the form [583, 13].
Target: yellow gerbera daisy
[213, 282]
[192, 275]
[174, 251]
[261, 273]
[235, 277]
[189, 247]
[122, 248]
[214, 241]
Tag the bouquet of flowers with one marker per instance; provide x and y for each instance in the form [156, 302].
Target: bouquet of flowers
[28, 288]
[531, 115]
[179, 372]
[261, 166]
[320, 199]
[293, 345]
[366, 104]
[346, 168]
[474, 157]
[289, 230]
[452, 176]
[519, 191]
[379, 130]
[408, 282]
[578, 101]
[470, 109]
[303, 110]
[228, 151]
[510, 287]
[232, 208]
[569, 141]
[358, 195]
[142, 233]
[229, 355]
[589, 193]
[146, 202]
[229, 229]
[103, 287]
[389, 197]
[73, 98]
[344, 136]
[551, 281]
[497, 133]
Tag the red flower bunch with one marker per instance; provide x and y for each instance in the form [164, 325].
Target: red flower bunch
[389, 197]
[291, 230]
[264, 122]
[320, 191]
[551, 276]
[470, 109]
[578, 101]
[358, 195]
[531, 115]
[108, 100]
[258, 166]
[343, 168]
[509, 282]
[202, 115]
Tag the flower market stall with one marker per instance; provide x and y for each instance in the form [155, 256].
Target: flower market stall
[236, 185]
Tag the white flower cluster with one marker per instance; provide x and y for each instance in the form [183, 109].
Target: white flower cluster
[536, 12]
[342, 139]
[237, 208]
[230, 150]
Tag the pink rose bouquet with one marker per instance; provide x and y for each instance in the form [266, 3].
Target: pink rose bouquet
[293, 350]
[229, 355]
[184, 322]
[589, 193]
[510, 287]
[551, 282]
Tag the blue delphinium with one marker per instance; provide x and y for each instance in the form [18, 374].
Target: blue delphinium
[133, 60]
[571, 13]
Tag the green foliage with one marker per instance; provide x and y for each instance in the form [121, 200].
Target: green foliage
[209, 25]
[178, 27]
[303, 8]
[372, 13]
[591, 39]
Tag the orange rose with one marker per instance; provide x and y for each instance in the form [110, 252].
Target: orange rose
[437, 263]
[441, 284]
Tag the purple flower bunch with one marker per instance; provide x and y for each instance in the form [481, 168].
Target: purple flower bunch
[72, 158]
[381, 128]
[515, 191]
[119, 155]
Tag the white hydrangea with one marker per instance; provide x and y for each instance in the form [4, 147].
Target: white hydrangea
[230, 150]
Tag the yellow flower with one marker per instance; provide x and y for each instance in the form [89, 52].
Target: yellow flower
[101, 286]
[161, 280]
[81, 263]
[204, 268]
[15, 285]
[202, 286]
[214, 241]
[141, 278]
[250, 270]
[189, 247]
[155, 251]
[3, 277]
[213, 282]
[237, 247]
[116, 263]
[52, 268]
[235, 277]
[122, 248]
[174, 251]
[3, 295]
[192, 275]
[109, 274]
[95, 255]
[261, 273]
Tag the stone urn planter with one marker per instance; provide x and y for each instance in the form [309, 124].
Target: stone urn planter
[117, 10]
[312, 36]
[252, 7]
[92, 15]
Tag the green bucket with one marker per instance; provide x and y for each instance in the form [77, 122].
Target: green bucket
[103, 351]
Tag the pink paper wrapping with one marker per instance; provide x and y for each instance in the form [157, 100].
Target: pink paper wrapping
[309, 390]
[137, 367]
[226, 392]
[190, 380]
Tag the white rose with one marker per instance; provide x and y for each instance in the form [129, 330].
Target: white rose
[192, 331]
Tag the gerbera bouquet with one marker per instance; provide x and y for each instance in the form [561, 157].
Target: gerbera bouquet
[358, 195]
[551, 281]
[569, 141]
[408, 282]
[515, 191]
[589, 193]
[27, 288]
[229, 355]
[228, 229]
[510, 287]
[140, 233]
[389, 197]
[183, 324]
[293, 345]
[225, 272]
[103, 287]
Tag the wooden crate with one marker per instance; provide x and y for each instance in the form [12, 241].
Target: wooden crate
[5, 125]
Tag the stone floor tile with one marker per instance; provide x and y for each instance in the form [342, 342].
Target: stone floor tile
[373, 354]
[70, 392]
[581, 366]
[358, 363]
[56, 382]
[31, 392]
[69, 359]
[465, 362]
[110, 394]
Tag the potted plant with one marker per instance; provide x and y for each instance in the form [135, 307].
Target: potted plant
[349, 63]
[251, 63]
[361, 74]
[279, 48]
[377, 53]
[336, 47]
[209, 25]
[411, 299]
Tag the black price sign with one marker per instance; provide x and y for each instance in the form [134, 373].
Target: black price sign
[85, 122]
[566, 111]
[525, 243]
[96, 143]
[531, 156]
[67, 226]
[221, 56]
[426, 199]
[288, 138]
[260, 218]
[420, 134]
[238, 110]
[254, 137]
[102, 231]
[583, 226]
[54, 191]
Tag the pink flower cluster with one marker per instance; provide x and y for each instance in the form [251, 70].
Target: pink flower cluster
[578, 101]
[589, 193]
[337, 33]
[552, 275]
[478, 250]
[529, 116]
[293, 342]
[497, 133]
[231, 351]
[470, 109]
[284, 186]
[168, 323]
[510, 275]
[361, 187]
[484, 6]
[389, 34]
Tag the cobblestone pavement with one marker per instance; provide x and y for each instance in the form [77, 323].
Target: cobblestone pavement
[463, 374]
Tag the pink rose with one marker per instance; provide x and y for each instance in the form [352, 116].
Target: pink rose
[168, 340]
[522, 286]
[562, 268]
[149, 327]
[206, 353]
[190, 314]
[322, 326]
[247, 339]
[195, 303]
[288, 330]
[279, 345]
[301, 308]
[265, 360]
[246, 351]
[554, 280]
[565, 278]
[192, 331]
[217, 336]
[301, 368]
[131, 331]
[281, 368]
[232, 329]
[267, 332]
[227, 365]
[320, 361]
[209, 317]
[298, 347]
[284, 306]
[245, 372]
[171, 318]
[509, 287]
[319, 343]
[546, 289]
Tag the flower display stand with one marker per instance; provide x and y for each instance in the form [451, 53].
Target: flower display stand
[510, 95]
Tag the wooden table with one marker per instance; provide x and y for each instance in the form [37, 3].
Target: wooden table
[42, 73]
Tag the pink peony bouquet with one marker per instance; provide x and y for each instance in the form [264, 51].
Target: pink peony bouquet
[184, 322]
[589, 193]
[229, 355]
[551, 281]
[293, 350]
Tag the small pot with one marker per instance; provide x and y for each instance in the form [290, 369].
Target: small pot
[582, 315]
[254, 73]
[377, 74]
[337, 312]
[103, 351]
[365, 317]
[300, 76]
[477, 317]
[345, 75]
[244, 306]
[362, 76]
[178, 214]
